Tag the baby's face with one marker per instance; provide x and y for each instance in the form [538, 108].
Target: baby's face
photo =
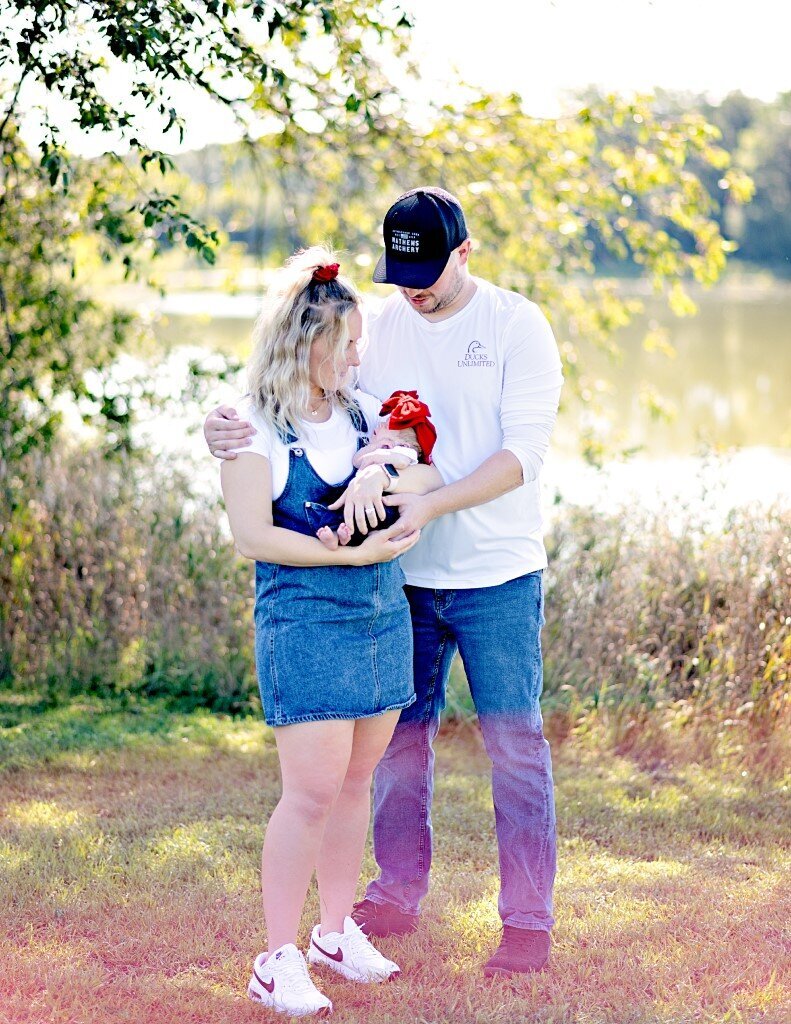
[384, 437]
[400, 446]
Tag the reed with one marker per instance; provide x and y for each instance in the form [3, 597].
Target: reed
[116, 579]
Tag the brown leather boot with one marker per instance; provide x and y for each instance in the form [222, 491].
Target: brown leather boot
[382, 919]
[521, 951]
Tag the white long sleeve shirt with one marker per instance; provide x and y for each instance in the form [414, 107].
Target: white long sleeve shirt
[491, 375]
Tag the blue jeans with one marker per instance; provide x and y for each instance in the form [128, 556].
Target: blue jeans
[497, 631]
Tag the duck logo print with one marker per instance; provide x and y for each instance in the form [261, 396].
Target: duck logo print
[476, 355]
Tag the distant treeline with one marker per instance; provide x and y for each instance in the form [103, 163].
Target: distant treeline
[758, 137]
[254, 198]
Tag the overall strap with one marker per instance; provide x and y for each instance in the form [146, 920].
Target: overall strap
[287, 437]
[359, 421]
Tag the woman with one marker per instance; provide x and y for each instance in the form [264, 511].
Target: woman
[333, 638]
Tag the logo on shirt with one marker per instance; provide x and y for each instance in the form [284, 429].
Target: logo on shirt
[476, 355]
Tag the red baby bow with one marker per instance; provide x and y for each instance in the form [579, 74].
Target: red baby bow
[326, 273]
[406, 410]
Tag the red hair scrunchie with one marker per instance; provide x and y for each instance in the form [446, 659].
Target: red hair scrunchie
[326, 273]
[406, 410]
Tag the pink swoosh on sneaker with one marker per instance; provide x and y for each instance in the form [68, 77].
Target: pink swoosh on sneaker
[337, 956]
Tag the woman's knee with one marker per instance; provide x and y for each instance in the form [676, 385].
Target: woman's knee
[312, 800]
[372, 737]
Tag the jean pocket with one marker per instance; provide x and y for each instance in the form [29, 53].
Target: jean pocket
[319, 515]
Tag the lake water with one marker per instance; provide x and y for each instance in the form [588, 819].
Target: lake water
[728, 384]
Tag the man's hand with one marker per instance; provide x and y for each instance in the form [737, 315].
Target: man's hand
[224, 430]
[415, 511]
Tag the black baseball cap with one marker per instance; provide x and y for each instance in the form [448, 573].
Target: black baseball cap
[421, 229]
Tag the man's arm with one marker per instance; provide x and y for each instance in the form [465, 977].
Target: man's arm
[363, 502]
[224, 431]
[497, 475]
[532, 381]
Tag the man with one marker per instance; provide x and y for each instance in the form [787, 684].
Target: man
[486, 363]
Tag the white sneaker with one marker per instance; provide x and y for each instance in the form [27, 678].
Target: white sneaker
[351, 954]
[281, 982]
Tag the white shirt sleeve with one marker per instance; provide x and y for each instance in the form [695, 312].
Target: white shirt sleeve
[532, 380]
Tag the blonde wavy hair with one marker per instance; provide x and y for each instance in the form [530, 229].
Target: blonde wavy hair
[297, 310]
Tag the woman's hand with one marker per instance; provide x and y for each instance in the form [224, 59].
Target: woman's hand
[362, 500]
[383, 546]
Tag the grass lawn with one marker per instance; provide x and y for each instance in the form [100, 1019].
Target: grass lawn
[130, 842]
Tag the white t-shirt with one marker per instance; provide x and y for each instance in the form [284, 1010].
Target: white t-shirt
[329, 446]
[491, 375]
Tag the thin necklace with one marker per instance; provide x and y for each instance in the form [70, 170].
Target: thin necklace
[322, 402]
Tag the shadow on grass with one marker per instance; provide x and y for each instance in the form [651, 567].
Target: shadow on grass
[625, 808]
[620, 806]
[37, 733]
[132, 842]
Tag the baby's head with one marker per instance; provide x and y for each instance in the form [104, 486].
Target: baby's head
[409, 425]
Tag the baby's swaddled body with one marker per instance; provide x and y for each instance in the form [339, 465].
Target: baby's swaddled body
[397, 449]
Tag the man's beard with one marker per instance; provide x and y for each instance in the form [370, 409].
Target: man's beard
[448, 299]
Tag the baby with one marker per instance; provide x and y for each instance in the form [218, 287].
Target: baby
[400, 448]
[405, 441]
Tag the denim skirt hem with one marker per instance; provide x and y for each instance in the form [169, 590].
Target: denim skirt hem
[332, 642]
[328, 716]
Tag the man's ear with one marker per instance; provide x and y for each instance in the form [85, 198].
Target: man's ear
[464, 251]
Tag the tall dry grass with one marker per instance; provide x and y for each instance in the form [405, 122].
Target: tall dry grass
[116, 578]
[680, 625]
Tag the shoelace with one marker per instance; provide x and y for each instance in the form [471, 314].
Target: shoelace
[295, 973]
[517, 938]
[358, 940]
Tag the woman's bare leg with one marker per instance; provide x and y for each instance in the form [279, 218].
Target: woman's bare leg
[341, 851]
[314, 758]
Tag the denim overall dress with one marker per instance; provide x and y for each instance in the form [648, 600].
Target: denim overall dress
[331, 641]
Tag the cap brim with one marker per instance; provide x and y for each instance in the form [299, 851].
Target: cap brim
[408, 275]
